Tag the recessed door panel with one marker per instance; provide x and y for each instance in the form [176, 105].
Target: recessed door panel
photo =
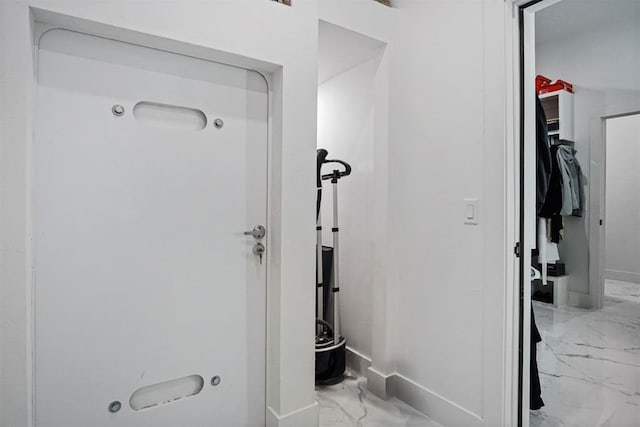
[148, 168]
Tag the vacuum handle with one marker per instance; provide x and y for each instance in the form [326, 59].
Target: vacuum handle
[340, 174]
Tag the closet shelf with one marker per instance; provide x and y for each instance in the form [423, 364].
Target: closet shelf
[558, 108]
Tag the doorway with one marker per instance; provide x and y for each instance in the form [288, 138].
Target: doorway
[587, 362]
[150, 177]
[622, 200]
[590, 359]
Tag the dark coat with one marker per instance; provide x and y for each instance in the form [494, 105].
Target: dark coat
[543, 157]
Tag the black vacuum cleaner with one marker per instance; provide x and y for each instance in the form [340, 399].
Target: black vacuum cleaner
[330, 344]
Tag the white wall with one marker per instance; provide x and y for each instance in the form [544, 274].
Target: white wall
[447, 143]
[437, 340]
[232, 32]
[438, 299]
[623, 198]
[229, 32]
[345, 130]
[602, 60]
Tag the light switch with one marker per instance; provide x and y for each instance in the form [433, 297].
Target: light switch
[471, 211]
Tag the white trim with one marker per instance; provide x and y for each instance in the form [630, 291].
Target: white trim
[378, 383]
[597, 257]
[598, 272]
[612, 112]
[357, 362]
[303, 417]
[512, 310]
[597, 198]
[513, 369]
[579, 299]
[512, 200]
[426, 401]
[623, 276]
[594, 212]
[530, 219]
[536, 7]
[429, 402]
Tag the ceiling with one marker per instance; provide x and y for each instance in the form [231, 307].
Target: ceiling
[570, 17]
[340, 49]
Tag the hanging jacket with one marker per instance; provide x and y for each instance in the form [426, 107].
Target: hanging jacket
[543, 157]
[572, 190]
[553, 200]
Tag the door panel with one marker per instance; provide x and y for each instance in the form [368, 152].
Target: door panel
[143, 275]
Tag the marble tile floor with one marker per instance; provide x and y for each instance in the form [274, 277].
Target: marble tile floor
[349, 404]
[589, 362]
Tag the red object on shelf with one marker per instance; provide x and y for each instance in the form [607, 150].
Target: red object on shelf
[545, 85]
[541, 81]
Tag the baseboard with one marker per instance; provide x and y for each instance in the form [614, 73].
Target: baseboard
[303, 417]
[579, 299]
[431, 403]
[422, 399]
[622, 276]
[379, 383]
[357, 362]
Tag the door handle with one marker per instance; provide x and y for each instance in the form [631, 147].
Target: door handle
[258, 232]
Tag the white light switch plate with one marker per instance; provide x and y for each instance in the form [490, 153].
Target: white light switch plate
[471, 211]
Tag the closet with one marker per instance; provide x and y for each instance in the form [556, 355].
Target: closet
[560, 193]
[349, 82]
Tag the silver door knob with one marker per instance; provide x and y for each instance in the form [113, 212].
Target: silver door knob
[258, 232]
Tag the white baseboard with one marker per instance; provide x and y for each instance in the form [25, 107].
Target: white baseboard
[623, 276]
[303, 417]
[579, 299]
[379, 383]
[431, 403]
[422, 399]
[357, 362]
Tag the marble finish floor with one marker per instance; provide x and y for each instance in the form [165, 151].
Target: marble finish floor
[349, 404]
[589, 361]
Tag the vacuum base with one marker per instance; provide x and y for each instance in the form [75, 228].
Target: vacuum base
[331, 363]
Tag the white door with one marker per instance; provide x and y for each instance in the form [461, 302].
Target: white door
[143, 276]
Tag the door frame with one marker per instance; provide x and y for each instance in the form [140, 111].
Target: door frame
[598, 251]
[41, 21]
[520, 34]
[520, 122]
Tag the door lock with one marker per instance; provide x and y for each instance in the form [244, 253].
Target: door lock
[258, 232]
[259, 250]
